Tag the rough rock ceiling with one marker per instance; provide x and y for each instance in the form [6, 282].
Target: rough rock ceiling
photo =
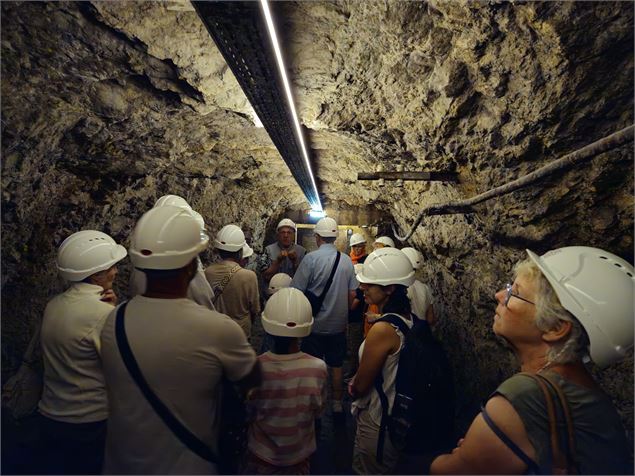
[108, 105]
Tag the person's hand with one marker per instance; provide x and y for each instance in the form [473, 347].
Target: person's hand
[109, 296]
[293, 256]
[283, 254]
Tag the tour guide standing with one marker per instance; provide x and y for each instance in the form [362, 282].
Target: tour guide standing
[283, 256]
[182, 350]
[328, 337]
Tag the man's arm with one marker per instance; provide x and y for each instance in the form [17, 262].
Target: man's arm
[252, 380]
[301, 277]
[353, 302]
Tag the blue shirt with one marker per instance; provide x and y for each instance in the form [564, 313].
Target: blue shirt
[312, 275]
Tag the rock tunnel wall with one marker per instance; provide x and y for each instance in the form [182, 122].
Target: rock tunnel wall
[107, 106]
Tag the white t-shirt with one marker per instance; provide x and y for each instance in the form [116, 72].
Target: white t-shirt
[198, 291]
[420, 297]
[182, 349]
[74, 389]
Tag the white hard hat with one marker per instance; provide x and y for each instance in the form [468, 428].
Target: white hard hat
[597, 288]
[247, 251]
[415, 257]
[387, 266]
[357, 239]
[229, 238]
[385, 240]
[326, 227]
[87, 252]
[358, 268]
[277, 282]
[199, 218]
[166, 237]
[288, 314]
[286, 222]
[171, 200]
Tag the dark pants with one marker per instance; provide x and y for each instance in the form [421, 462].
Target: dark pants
[329, 347]
[72, 448]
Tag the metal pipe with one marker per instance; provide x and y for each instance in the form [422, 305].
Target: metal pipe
[579, 156]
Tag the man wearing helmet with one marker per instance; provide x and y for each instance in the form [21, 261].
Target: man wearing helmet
[199, 289]
[383, 242]
[74, 405]
[419, 293]
[182, 351]
[328, 338]
[235, 288]
[283, 256]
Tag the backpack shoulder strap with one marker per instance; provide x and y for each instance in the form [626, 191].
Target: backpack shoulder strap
[172, 422]
[396, 321]
[383, 426]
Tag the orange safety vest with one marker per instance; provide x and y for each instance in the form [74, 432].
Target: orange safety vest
[355, 258]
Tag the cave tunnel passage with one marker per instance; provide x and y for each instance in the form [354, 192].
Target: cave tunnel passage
[107, 106]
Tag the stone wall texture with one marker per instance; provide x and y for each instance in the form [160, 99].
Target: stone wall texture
[108, 105]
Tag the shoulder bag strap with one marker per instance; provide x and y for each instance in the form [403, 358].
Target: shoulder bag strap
[566, 412]
[532, 467]
[395, 320]
[559, 460]
[180, 431]
[330, 280]
[381, 437]
[224, 282]
[379, 387]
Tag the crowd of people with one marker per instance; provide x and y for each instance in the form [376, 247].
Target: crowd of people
[138, 387]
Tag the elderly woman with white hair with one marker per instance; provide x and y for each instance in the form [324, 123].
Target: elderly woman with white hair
[553, 418]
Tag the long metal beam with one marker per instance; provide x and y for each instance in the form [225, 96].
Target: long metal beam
[240, 33]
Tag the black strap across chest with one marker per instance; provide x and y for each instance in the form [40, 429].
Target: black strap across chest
[173, 423]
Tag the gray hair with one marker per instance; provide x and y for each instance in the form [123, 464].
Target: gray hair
[548, 312]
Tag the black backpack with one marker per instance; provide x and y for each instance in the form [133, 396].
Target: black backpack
[422, 417]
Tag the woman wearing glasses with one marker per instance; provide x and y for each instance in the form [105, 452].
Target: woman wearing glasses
[567, 304]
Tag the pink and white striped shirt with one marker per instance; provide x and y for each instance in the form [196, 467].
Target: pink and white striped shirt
[284, 408]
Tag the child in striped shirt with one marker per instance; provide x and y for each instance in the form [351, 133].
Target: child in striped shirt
[292, 393]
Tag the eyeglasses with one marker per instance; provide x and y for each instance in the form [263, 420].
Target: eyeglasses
[508, 296]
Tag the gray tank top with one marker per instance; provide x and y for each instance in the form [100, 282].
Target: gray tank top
[600, 439]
